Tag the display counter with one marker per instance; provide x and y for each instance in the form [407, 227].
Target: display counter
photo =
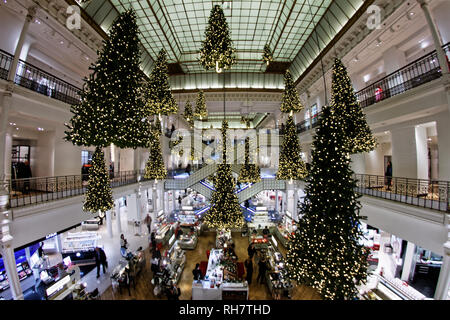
[188, 241]
[176, 262]
[385, 288]
[133, 266]
[163, 234]
[277, 278]
[80, 247]
[23, 271]
[220, 281]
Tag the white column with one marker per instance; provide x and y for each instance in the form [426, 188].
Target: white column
[422, 152]
[9, 261]
[109, 223]
[295, 212]
[166, 204]
[409, 263]
[440, 14]
[30, 15]
[404, 152]
[290, 200]
[58, 242]
[138, 210]
[154, 200]
[119, 223]
[443, 284]
[173, 200]
[442, 127]
[277, 207]
[436, 37]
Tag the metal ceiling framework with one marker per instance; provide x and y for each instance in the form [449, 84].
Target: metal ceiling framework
[287, 26]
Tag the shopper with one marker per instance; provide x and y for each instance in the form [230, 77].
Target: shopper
[388, 175]
[174, 292]
[251, 250]
[266, 231]
[249, 270]
[123, 245]
[153, 240]
[156, 253]
[148, 221]
[100, 259]
[41, 250]
[197, 272]
[262, 270]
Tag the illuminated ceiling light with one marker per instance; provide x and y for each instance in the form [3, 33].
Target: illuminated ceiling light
[61, 42]
[40, 129]
[411, 13]
[379, 42]
[12, 123]
[17, 128]
[356, 59]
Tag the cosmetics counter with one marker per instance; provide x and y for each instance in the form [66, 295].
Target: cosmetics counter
[285, 228]
[174, 261]
[164, 229]
[23, 271]
[127, 270]
[277, 278]
[386, 288]
[80, 247]
[220, 281]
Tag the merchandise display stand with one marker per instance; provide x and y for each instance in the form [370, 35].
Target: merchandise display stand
[385, 288]
[175, 262]
[285, 229]
[219, 283]
[277, 278]
[80, 247]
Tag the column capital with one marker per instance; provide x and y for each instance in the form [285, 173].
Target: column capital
[31, 12]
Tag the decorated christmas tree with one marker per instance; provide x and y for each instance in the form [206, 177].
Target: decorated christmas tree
[267, 55]
[291, 165]
[158, 96]
[98, 193]
[200, 106]
[325, 252]
[225, 212]
[110, 110]
[155, 168]
[344, 101]
[250, 172]
[217, 49]
[188, 113]
[290, 102]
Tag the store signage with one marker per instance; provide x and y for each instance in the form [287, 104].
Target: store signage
[51, 235]
[57, 286]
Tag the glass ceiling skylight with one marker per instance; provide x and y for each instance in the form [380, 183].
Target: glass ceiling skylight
[287, 26]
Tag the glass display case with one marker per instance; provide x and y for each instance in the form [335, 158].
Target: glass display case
[277, 277]
[220, 281]
[286, 228]
[80, 247]
[174, 262]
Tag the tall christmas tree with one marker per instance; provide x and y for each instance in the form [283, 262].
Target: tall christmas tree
[225, 212]
[217, 49]
[291, 165]
[110, 110]
[290, 102]
[250, 172]
[158, 96]
[155, 168]
[200, 106]
[359, 135]
[324, 252]
[188, 113]
[98, 194]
